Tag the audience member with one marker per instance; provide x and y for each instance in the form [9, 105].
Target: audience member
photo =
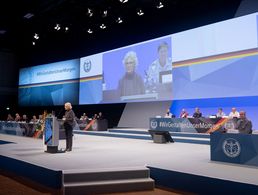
[17, 117]
[95, 117]
[100, 116]
[25, 118]
[84, 117]
[9, 117]
[41, 118]
[34, 119]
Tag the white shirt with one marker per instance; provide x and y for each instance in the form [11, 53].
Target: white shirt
[155, 68]
[232, 115]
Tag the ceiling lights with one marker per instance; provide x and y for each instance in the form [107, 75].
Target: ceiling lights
[66, 29]
[160, 5]
[104, 14]
[123, 1]
[57, 27]
[89, 31]
[119, 20]
[28, 15]
[140, 12]
[102, 26]
[36, 36]
[90, 12]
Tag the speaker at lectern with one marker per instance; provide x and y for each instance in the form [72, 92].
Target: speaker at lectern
[161, 136]
[51, 134]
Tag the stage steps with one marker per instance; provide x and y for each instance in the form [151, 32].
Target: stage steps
[107, 181]
[183, 137]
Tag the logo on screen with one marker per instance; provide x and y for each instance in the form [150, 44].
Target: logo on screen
[231, 147]
[154, 124]
[87, 65]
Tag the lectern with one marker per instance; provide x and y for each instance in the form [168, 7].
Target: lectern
[161, 136]
[51, 134]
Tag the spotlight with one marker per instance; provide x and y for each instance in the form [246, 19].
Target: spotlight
[119, 20]
[2, 31]
[123, 1]
[57, 27]
[103, 26]
[90, 12]
[28, 15]
[160, 5]
[89, 31]
[66, 29]
[7, 108]
[36, 36]
[33, 43]
[140, 12]
[104, 14]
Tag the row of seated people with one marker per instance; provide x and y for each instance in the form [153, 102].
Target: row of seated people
[198, 114]
[85, 118]
[87, 123]
[24, 118]
[34, 119]
[242, 123]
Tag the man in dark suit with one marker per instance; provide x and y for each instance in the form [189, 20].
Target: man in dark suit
[197, 113]
[68, 125]
[243, 124]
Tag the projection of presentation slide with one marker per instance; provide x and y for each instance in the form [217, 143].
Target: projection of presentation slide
[218, 60]
[91, 79]
[50, 84]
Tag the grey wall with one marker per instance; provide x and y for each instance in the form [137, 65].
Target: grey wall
[247, 7]
[137, 115]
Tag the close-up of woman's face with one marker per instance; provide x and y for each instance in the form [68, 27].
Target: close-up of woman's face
[130, 65]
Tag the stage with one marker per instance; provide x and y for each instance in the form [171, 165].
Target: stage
[178, 165]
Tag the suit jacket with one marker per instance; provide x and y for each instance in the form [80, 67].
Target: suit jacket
[244, 126]
[69, 118]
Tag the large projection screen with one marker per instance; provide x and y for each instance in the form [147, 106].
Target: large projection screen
[49, 84]
[215, 61]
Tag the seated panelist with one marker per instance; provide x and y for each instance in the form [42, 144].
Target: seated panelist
[243, 124]
[184, 113]
[197, 113]
[169, 114]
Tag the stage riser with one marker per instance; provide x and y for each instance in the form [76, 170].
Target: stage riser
[196, 135]
[107, 181]
[41, 175]
[105, 176]
[143, 137]
[100, 188]
[199, 184]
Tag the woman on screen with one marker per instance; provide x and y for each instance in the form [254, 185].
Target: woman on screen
[163, 63]
[131, 83]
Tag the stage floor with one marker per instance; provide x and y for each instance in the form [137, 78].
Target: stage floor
[96, 153]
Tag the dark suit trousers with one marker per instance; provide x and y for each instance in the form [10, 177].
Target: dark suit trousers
[69, 136]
